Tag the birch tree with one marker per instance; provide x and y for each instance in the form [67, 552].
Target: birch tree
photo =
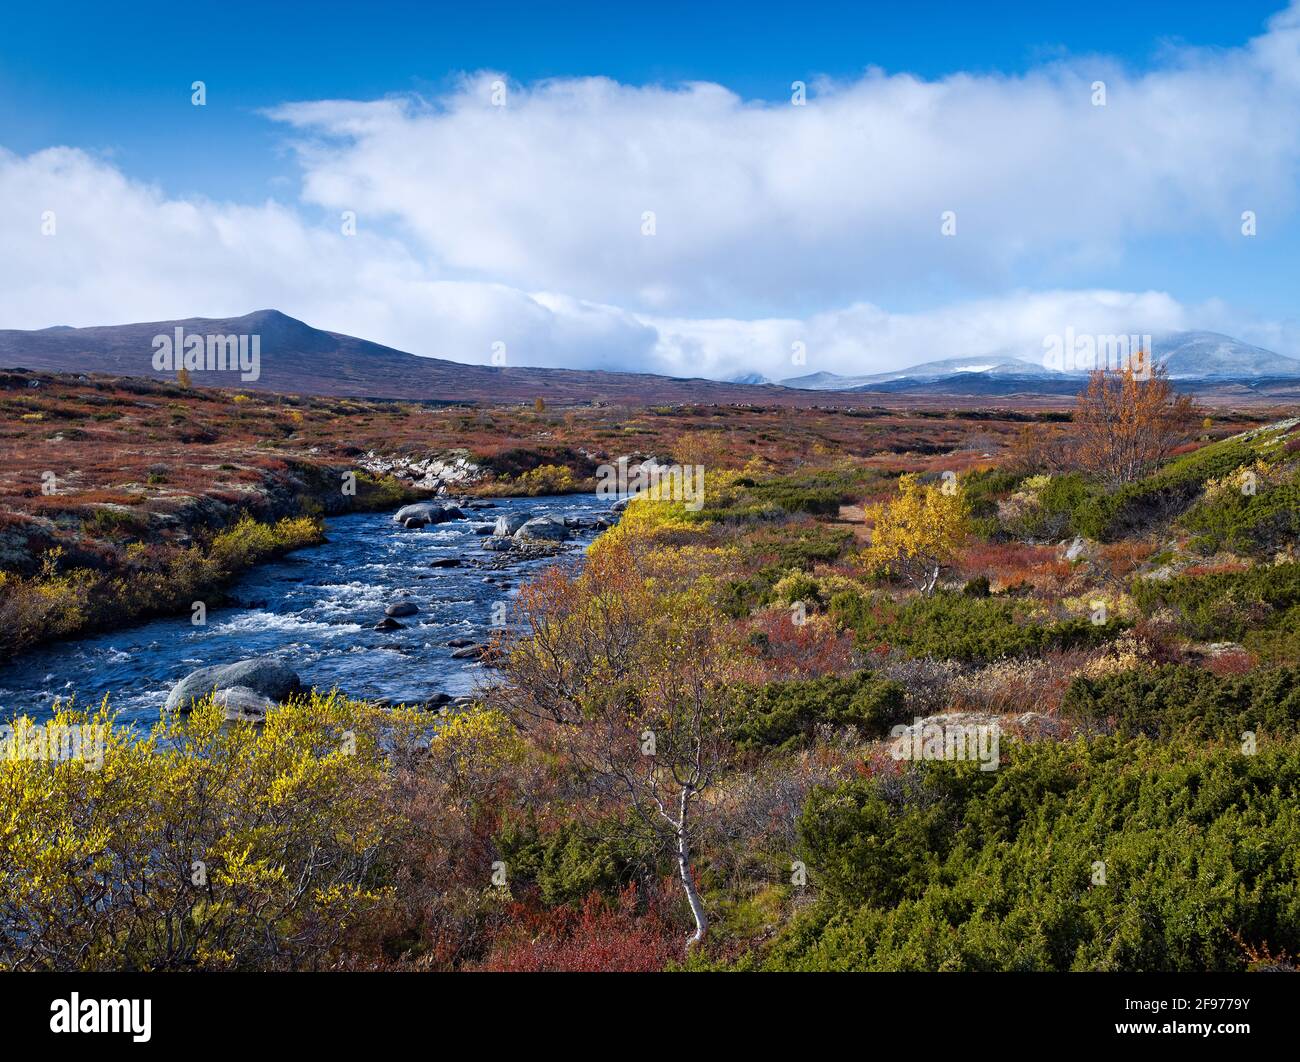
[620, 676]
[1127, 423]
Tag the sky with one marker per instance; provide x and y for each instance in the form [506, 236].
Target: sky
[646, 187]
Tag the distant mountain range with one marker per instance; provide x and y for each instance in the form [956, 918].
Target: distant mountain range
[299, 359]
[1198, 361]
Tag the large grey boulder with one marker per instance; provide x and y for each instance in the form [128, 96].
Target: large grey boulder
[543, 529]
[402, 608]
[261, 676]
[509, 523]
[498, 543]
[427, 512]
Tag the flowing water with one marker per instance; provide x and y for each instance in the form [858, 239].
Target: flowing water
[315, 610]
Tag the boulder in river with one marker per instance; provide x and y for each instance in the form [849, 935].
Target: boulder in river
[509, 523]
[402, 608]
[498, 544]
[243, 705]
[389, 624]
[427, 512]
[260, 676]
[483, 529]
[542, 529]
[445, 562]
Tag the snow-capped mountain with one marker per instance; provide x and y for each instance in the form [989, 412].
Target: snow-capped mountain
[990, 364]
[1188, 356]
[1196, 355]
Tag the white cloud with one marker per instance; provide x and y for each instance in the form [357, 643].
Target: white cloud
[774, 224]
[769, 204]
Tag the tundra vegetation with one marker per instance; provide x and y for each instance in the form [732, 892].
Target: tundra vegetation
[687, 756]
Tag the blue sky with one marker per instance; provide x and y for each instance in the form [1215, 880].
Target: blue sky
[1139, 201]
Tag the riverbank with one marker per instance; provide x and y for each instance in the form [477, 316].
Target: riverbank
[316, 609]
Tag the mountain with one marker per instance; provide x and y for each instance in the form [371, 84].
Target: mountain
[818, 381]
[988, 364]
[753, 379]
[1210, 354]
[299, 359]
[1199, 361]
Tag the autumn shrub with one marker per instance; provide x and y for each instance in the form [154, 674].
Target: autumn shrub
[198, 844]
[628, 935]
[946, 867]
[1034, 684]
[1181, 699]
[783, 715]
[1007, 564]
[785, 551]
[784, 647]
[1127, 422]
[544, 479]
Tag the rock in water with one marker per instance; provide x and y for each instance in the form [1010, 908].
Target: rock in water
[543, 529]
[261, 676]
[389, 624]
[427, 512]
[445, 562]
[509, 523]
[402, 608]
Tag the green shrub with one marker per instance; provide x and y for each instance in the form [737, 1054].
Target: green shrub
[1168, 492]
[783, 715]
[1226, 605]
[957, 626]
[1250, 524]
[748, 499]
[984, 487]
[574, 860]
[952, 868]
[1163, 701]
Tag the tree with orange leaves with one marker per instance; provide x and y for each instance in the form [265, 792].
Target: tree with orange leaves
[1127, 422]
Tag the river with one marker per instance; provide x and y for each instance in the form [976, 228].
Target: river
[315, 610]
